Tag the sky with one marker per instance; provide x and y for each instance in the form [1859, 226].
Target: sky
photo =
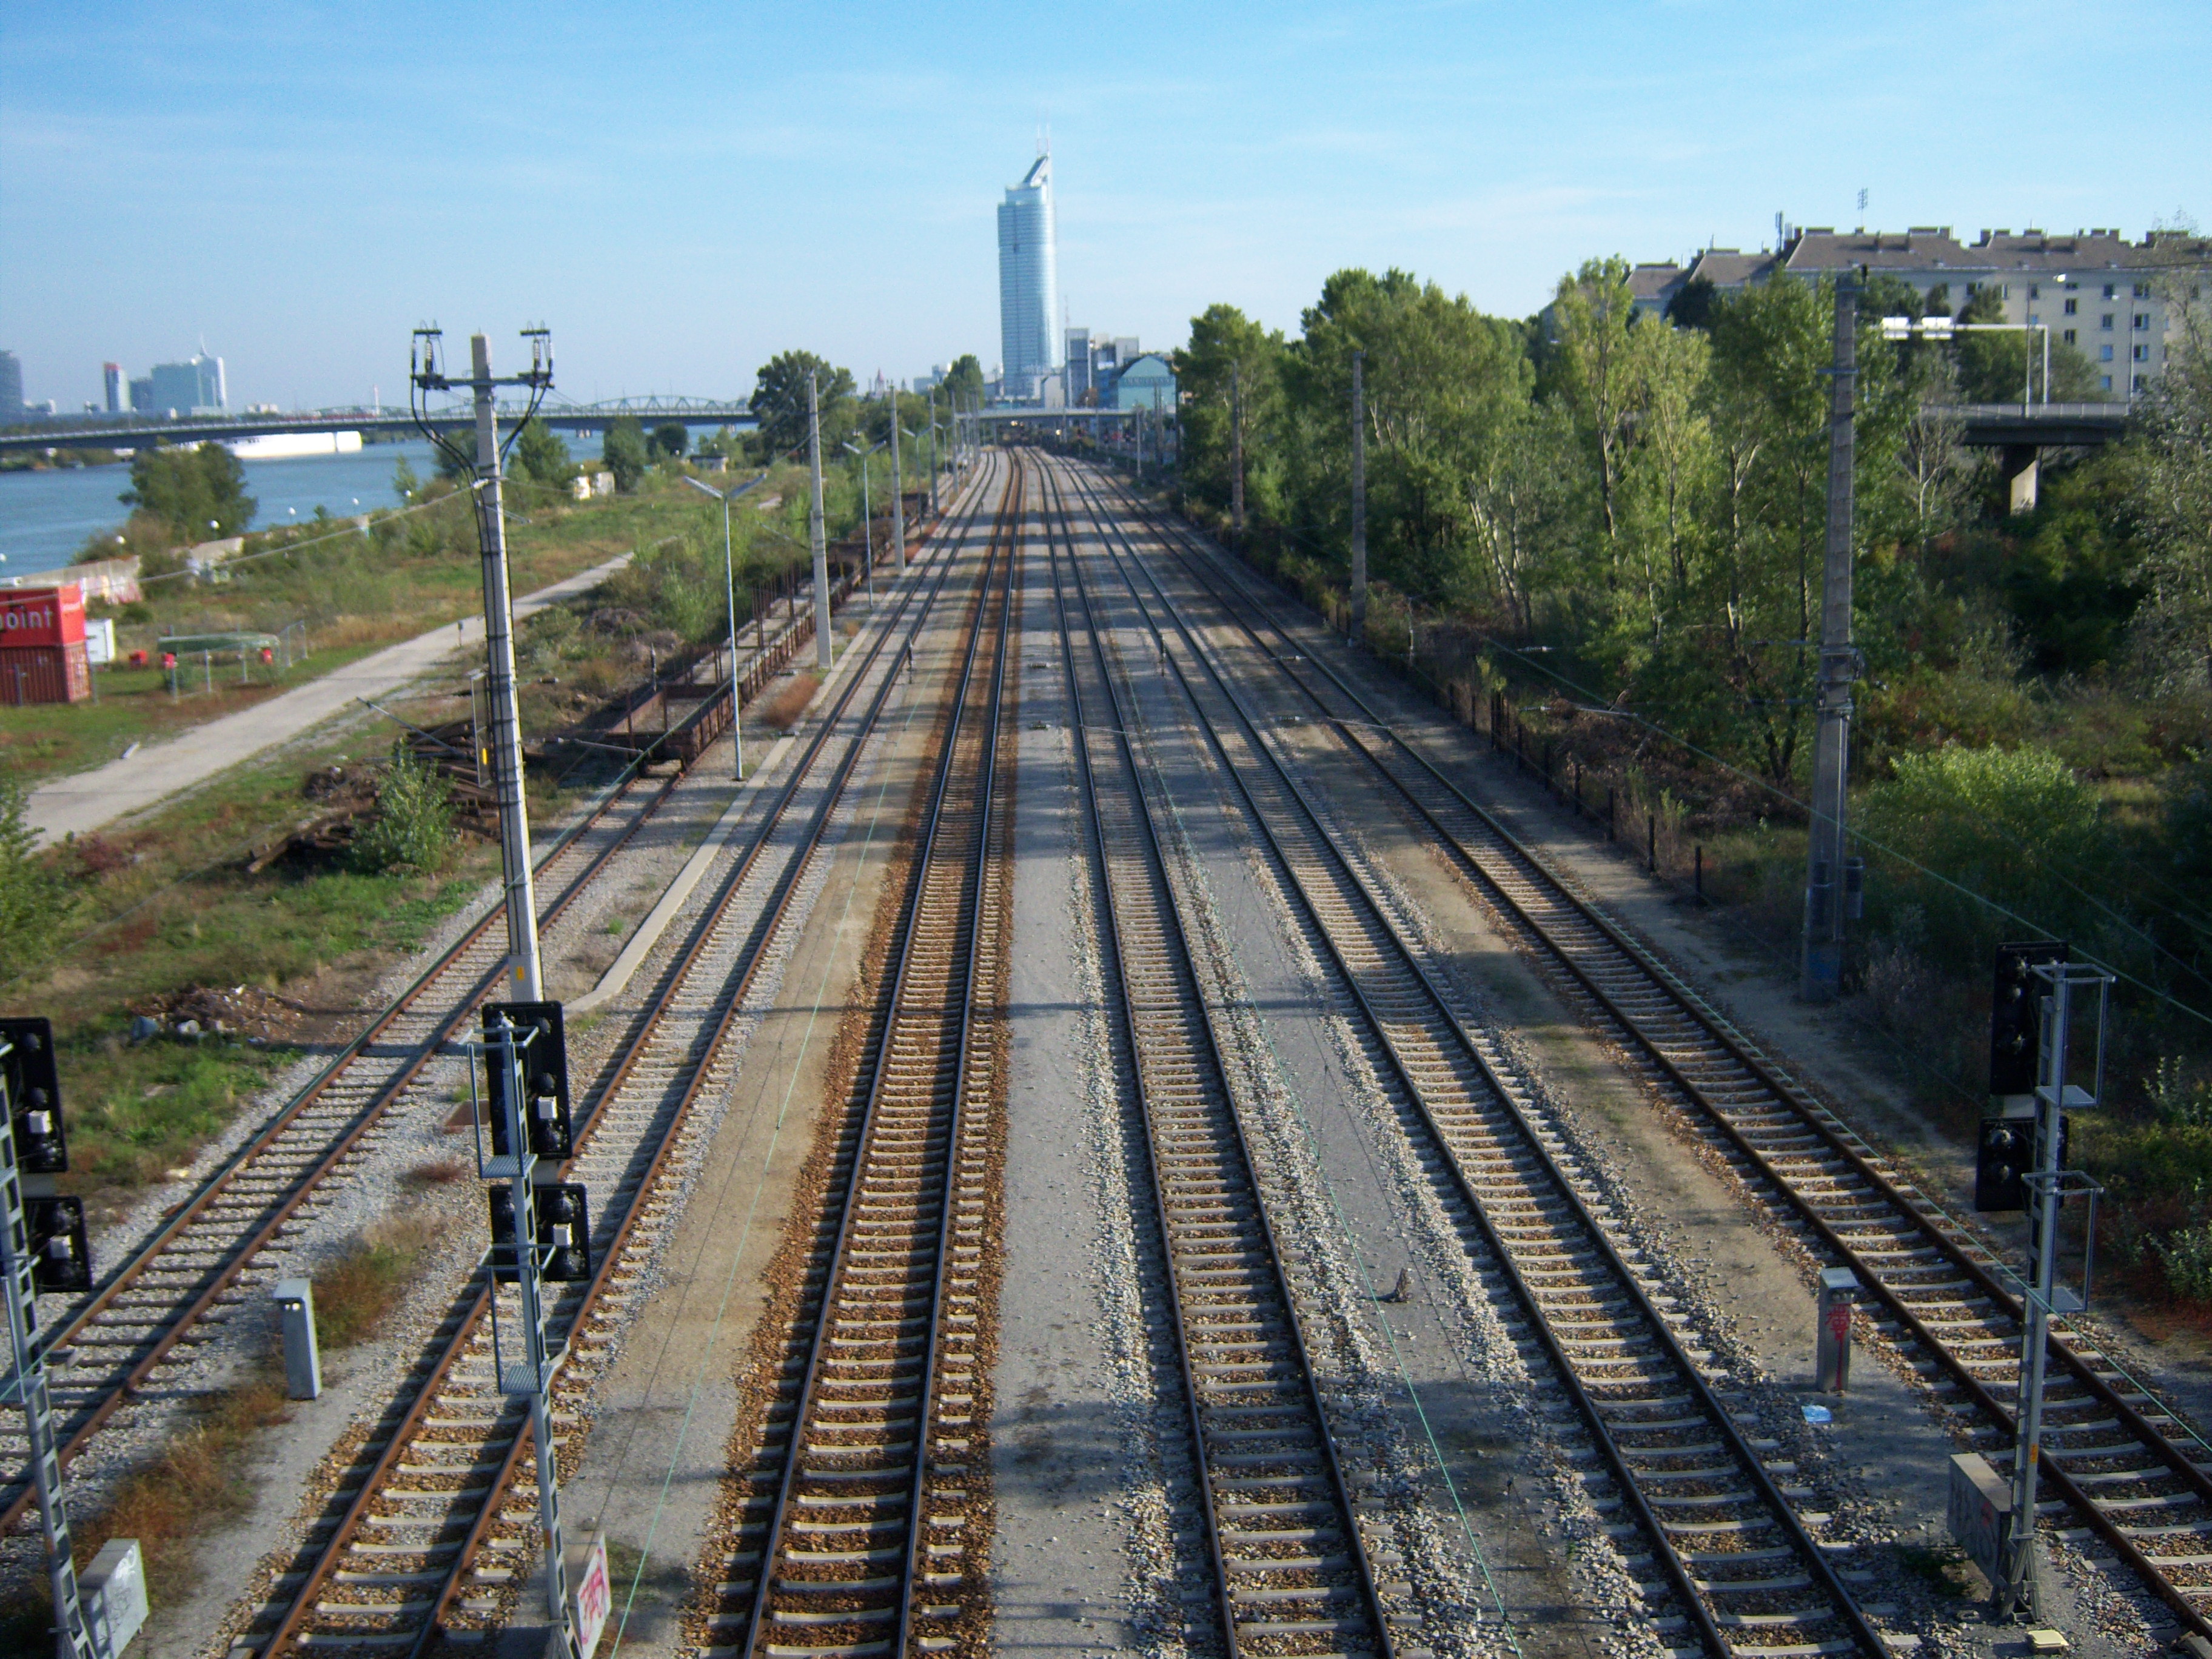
[680, 191]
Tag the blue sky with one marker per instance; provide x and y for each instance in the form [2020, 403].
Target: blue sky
[680, 191]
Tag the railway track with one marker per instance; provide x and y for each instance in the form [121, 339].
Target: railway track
[434, 1524]
[1736, 1566]
[862, 1519]
[2135, 1477]
[1291, 1568]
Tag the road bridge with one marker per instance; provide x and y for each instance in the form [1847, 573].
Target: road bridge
[136, 432]
[2021, 431]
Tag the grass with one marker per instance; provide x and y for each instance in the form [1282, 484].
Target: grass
[167, 1504]
[357, 1290]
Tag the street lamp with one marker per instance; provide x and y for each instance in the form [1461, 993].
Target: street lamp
[1943, 328]
[867, 521]
[730, 592]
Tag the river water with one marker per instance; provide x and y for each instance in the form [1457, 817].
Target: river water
[45, 517]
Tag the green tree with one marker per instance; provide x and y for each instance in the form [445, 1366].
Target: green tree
[1231, 360]
[1591, 316]
[2002, 368]
[624, 452]
[779, 399]
[457, 452]
[541, 457]
[964, 380]
[404, 482]
[197, 493]
[670, 440]
[2171, 455]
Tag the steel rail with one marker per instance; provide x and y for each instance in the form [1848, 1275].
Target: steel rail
[380, 1473]
[1632, 1481]
[878, 1053]
[1209, 1046]
[1958, 1254]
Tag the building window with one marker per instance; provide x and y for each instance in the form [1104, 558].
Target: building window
[2069, 337]
[2142, 354]
[2070, 304]
[2106, 321]
[2143, 322]
[2110, 290]
[2104, 354]
[2035, 290]
[2034, 320]
[2142, 290]
[2106, 382]
[2138, 385]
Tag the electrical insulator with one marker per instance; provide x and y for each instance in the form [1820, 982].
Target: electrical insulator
[34, 1095]
[545, 1076]
[2016, 1015]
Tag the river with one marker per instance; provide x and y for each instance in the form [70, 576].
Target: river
[45, 516]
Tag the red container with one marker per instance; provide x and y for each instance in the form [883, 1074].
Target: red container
[43, 673]
[41, 616]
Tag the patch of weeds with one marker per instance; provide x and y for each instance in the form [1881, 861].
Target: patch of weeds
[136, 1112]
[437, 1172]
[616, 927]
[354, 1292]
[1941, 1567]
[167, 1504]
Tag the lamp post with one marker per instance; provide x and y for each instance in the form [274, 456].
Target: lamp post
[867, 521]
[730, 591]
[898, 485]
[1943, 328]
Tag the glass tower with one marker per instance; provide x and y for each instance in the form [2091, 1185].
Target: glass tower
[1028, 283]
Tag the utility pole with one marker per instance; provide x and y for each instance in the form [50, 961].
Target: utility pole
[933, 507]
[1236, 448]
[524, 975]
[898, 489]
[1358, 496]
[1821, 964]
[817, 534]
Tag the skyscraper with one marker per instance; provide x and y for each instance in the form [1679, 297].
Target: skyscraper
[11, 387]
[192, 387]
[1029, 283]
[117, 386]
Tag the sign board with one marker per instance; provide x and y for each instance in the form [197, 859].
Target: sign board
[99, 640]
[42, 616]
[1980, 1512]
[595, 1599]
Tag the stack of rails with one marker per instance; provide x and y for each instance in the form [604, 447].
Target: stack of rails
[2135, 1474]
[194, 1270]
[1737, 1567]
[1291, 1568]
[865, 1508]
[448, 1476]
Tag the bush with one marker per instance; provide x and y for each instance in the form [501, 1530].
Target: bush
[413, 827]
[31, 895]
[623, 451]
[2005, 824]
[2187, 1258]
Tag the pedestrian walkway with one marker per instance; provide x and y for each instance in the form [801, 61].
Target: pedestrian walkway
[83, 801]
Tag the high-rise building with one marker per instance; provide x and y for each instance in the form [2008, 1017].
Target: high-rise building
[1028, 283]
[192, 387]
[118, 388]
[1079, 367]
[11, 387]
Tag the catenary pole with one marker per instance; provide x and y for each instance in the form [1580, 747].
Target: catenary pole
[818, 533]
[1822, 964]
[899, 488]
[1236, 449]
[525, 971]
[1358, 496]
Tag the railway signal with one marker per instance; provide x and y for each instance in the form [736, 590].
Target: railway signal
[543, 1098]
[540, 1235]
[2040, 995]
[42, 1247]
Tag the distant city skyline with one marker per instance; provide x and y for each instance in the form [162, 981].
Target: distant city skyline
[679, 193]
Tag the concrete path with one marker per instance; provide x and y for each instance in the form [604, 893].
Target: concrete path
[85, 801]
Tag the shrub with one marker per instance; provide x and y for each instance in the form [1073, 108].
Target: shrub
[30, 894]
[2187, 1258]
[413, 827]
[2012, 825]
